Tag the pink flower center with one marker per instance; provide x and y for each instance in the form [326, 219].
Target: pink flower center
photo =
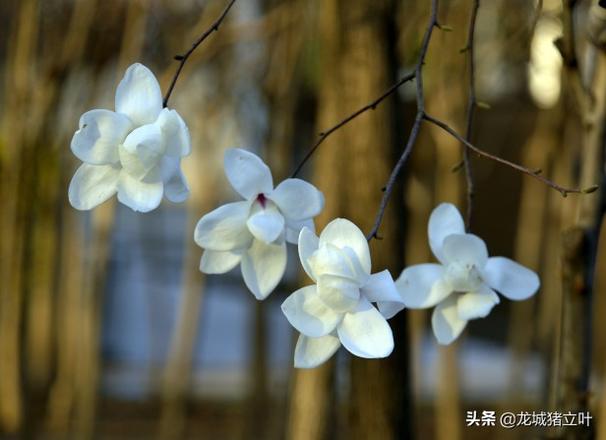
[262, 200]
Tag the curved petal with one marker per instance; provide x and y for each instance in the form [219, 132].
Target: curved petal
[247, 173]
[263, 267]
[224, 228]
[445, 321]
[138, 95]
[342, 233]
[473, 305]
[293, 228]
[511, 279]
[465, 249]
[330, 260]
[308, 244]
[176, 189]
[420, 286]
[365, 332]
[215, 262]
[311, 352]
[137, 195]
[175, 133]
[340, 294]
[266, 225]
[381, 289]
[445, 220]
[298, 199]
[99, 134]
[92, 185]
[308, 314]
[141, 152]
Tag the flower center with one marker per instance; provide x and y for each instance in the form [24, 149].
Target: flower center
[463, 277]
[262, 200]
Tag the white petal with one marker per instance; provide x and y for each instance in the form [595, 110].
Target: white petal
[293, 228]
[445, 220]
[297, 199]
[511, 279]
[224, 229]
[214, 262]
[311, 352]
[101, 131]
[340, 294]
[308, 314]
[176, 189]
[330, 260]
[308, 244]
[420, 285]
[473, 305]
[141, 152]
[137, 195]
[380, 288]
[263, 267]
[445, 321]
[465, 249]
[365, 332]
[92, 185]
[247, 173]
[175, 133]
[341, 233]
[138, 95]
[266, 225]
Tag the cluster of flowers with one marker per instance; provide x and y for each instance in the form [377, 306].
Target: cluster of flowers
[136, 153]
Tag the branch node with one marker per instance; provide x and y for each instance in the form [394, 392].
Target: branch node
[179, 57]
[482, 104]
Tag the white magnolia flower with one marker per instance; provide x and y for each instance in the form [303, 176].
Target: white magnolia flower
[254, 232]
[337, 309]
[462, 286]
[135, 151]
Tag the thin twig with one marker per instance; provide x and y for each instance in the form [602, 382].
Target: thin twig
[371, 106]
[471, 106]
[414, 132]
[183, 58]
[533, 173]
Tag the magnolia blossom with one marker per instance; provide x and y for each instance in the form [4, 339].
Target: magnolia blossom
[254, 232]
[135, 151]
[462, 286]
[337, 309]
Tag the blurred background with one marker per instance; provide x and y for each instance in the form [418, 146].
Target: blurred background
[109, 331]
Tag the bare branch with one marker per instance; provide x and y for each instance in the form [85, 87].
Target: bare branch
[370, 106]
[471, 106]
[533, 173]
[183, 58]
[414, 132]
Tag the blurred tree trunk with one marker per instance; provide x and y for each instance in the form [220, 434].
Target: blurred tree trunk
[311, 408]
[379, 388]
[16, 155]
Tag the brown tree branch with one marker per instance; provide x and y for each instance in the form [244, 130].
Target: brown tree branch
[533, 173]
[471, 106]
[183, 58]
[370, 106]
[416, 127]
